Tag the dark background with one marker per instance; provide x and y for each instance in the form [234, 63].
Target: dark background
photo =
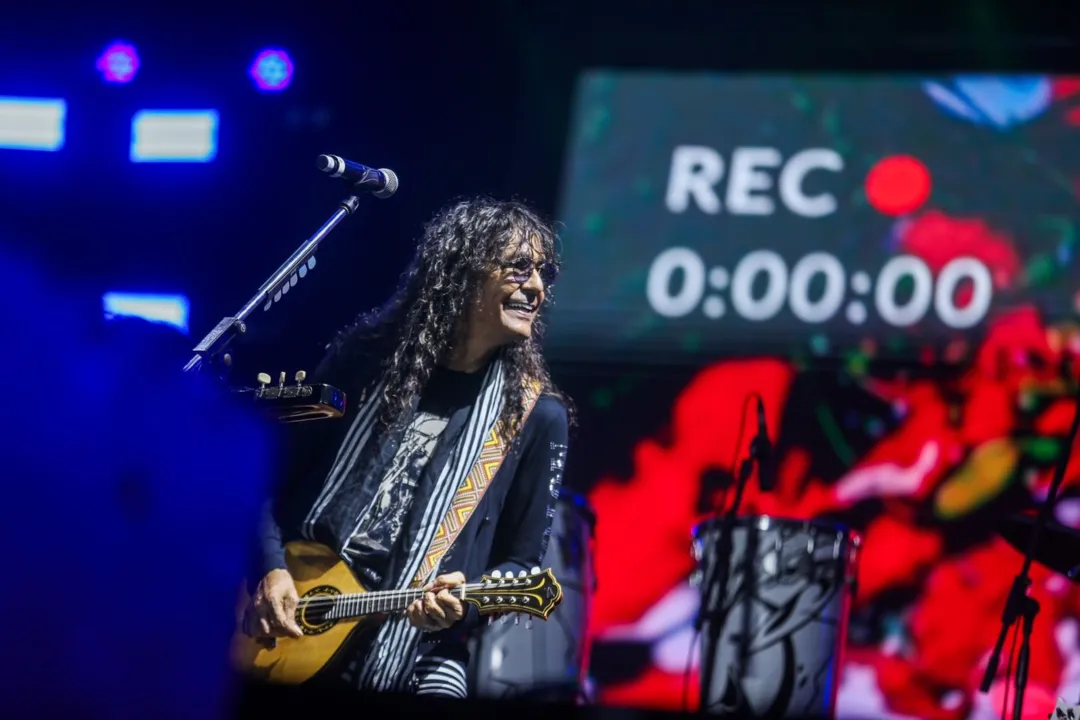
[457, 100]
[462, 99]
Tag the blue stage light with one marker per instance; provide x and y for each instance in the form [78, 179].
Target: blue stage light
[32, 123]
[174, 136]
[167, 309]
[118, 63]
[272, 70]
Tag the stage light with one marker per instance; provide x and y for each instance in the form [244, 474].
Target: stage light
[32, 123]
[174, 136]
[272, 70]
[170, 310]
[118, 63]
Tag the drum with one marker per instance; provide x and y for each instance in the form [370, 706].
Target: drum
[548, 661]
[783, 616]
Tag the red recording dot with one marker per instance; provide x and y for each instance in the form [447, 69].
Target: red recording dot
[897, 185]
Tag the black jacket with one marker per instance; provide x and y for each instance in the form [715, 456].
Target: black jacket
[508, 531]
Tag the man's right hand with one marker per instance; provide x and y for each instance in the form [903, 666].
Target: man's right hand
[272, 612]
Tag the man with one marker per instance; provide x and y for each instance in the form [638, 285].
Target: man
[449, 360]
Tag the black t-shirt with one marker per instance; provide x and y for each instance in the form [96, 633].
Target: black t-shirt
[404, 485]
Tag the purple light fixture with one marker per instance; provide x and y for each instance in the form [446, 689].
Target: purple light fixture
[118, 63]
[272, 70]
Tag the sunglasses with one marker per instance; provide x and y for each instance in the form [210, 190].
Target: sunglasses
[522, 269]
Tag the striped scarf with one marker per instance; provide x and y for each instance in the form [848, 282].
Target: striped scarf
[389, 663]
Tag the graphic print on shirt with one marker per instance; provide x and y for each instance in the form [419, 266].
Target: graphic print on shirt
[390, 507]
[557, 467]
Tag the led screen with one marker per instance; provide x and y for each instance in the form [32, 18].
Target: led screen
[710, 214]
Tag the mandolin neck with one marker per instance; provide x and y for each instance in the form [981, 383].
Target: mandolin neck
[535, 595]
[354, 605]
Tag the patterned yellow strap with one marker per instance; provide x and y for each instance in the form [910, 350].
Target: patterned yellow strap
[470, 491]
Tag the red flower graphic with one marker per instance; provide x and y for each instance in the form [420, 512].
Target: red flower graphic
[956, 450]
[938, 239]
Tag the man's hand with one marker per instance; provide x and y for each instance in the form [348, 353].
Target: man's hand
[272, 612]
[438, 609]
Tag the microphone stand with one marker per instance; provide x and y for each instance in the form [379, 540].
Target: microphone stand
[713, 609]
[210, 350]
[1018, 603]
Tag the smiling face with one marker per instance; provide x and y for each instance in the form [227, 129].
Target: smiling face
[509, 298]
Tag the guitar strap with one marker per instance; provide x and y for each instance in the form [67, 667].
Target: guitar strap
[471, 490]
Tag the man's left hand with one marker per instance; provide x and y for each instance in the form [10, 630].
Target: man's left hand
[437, 609]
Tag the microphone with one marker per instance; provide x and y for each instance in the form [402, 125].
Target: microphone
[763, 451]
[382, 183]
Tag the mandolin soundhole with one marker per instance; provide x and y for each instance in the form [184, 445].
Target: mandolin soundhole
[315, 614]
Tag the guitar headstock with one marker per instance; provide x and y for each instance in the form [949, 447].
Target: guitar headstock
[537, 594]
[297, 402]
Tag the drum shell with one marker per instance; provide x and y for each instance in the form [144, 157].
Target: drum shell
[789, 593]
[550, 659]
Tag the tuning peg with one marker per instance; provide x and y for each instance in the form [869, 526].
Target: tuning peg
[263, 379]
[535, 571]
[495, 574]
[528, 623]
[517, 618]
[281, 379]
[300, 377]
[504, 619]
[522, 574]
[491, 619]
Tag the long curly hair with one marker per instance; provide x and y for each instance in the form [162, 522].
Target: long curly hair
[420, 325]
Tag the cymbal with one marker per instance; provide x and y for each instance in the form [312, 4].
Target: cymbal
[1058, 548]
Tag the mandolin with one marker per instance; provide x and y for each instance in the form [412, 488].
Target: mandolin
[296, 403]
[334, 605]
